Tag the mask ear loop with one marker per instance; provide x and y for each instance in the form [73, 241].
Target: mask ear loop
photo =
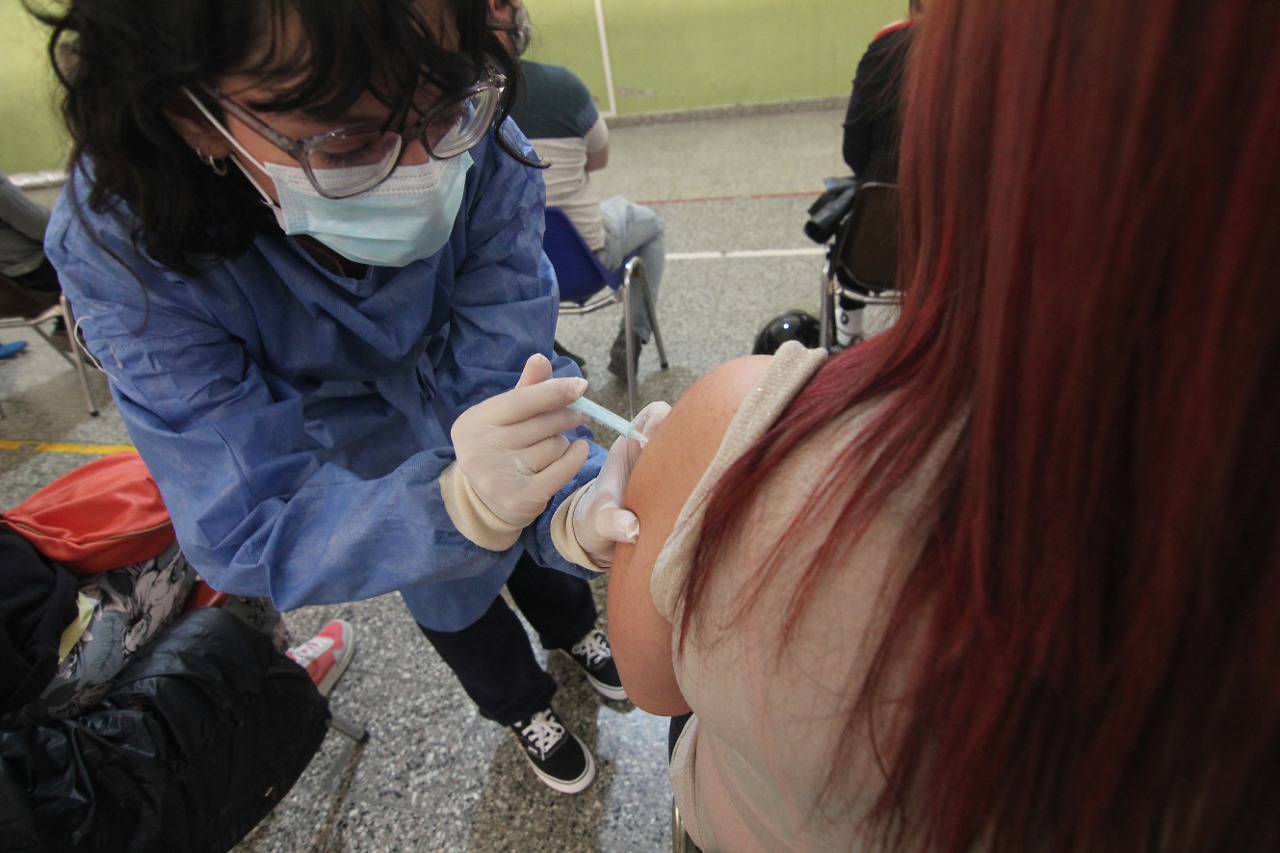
[84, 350]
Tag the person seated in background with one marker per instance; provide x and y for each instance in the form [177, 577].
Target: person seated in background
[560, 118]
[873, 118]
[1005, 576]
[28, 282]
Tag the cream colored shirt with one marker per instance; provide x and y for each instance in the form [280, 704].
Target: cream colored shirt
[569, 184]
[750, 767]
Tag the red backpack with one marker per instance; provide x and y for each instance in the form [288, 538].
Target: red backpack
[101, 516]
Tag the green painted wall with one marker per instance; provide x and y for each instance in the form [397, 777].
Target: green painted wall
[665, 55]
[31, 136]
[682, 54]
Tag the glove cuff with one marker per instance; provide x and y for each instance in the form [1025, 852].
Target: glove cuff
[469, 514]
[563, 537]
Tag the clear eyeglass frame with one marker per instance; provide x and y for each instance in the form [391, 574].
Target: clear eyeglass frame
[446, 130]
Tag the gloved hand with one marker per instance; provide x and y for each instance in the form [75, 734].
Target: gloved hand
[599, 521]
[509, 447]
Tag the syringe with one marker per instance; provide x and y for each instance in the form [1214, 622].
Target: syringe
[601, 415]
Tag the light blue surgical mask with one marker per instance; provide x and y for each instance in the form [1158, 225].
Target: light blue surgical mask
[406, 218]
[521, 32]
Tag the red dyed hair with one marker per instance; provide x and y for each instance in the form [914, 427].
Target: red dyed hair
[1091, 238]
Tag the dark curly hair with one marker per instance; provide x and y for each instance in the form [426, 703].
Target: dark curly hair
[122, 64]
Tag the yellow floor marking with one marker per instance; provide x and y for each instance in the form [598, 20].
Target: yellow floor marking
[54, 447]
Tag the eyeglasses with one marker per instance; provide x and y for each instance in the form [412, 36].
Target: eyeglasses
[348, 161]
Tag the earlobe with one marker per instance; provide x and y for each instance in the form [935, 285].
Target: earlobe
[206, 140]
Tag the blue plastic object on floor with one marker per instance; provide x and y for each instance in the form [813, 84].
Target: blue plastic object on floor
[10, 350]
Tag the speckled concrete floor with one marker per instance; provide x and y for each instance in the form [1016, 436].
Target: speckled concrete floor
[732, 191]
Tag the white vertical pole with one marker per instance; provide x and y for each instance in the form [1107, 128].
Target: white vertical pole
[608, 65]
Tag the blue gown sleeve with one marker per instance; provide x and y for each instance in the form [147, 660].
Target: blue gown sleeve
[504, 310]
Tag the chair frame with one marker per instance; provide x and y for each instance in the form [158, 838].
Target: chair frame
[75, 357]
[610, 288]
[680, 840]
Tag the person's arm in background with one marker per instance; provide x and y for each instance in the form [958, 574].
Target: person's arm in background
[672, 464]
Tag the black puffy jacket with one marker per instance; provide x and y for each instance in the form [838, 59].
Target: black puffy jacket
[202, 734]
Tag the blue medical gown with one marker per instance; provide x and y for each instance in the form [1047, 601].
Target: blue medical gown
[297, 421]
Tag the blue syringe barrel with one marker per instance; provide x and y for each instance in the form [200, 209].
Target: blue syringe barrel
[603, 416]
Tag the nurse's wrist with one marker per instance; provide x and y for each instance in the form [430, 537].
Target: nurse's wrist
[471, 516]
[563, 536]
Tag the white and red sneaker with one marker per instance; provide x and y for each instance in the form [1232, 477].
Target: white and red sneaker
[326, 655]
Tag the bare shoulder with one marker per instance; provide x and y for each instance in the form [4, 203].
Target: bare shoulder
[684, 444]
[674, 460]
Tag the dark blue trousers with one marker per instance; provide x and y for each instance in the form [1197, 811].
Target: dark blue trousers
[492, 657]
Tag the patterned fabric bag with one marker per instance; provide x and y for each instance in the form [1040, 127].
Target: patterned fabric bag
[106, 524]
[130, 606]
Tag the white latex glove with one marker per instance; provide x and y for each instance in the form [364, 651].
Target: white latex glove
[599, 520]
[509, 447]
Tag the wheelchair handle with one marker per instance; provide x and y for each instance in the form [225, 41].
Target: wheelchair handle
[827, 217]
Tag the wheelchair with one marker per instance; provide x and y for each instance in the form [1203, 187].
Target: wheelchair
[858, 223]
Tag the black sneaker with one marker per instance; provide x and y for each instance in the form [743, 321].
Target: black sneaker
[557, 756]
[618, 355]
[593, 654]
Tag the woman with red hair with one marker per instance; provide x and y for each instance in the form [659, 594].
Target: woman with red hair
[1007, 576]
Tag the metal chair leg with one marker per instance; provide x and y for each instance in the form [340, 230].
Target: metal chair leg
[628, 331]
[62, 311]
[680, 840]
[826, 300]
[77, 356]
[78, 359]
[343, 726]
[653, 315]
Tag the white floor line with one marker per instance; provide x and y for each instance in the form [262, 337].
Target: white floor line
[744, 253]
